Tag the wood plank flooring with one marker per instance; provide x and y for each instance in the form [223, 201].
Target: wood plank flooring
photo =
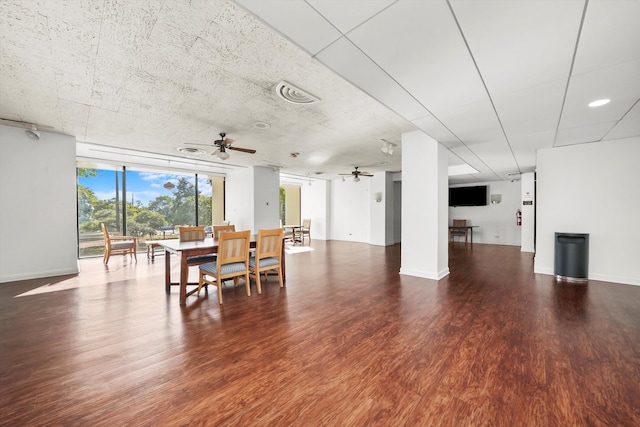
[347, 342]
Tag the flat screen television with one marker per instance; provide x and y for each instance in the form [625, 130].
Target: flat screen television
[468, 196]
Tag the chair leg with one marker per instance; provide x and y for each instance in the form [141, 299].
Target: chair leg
[219, 286]
[105, 259]
[258, 284]
[199, 283]
[247, 284]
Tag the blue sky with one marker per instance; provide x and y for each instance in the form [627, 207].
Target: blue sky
[142, 186]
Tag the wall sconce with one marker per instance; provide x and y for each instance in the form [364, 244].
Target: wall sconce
[377, 197]
[496, 198]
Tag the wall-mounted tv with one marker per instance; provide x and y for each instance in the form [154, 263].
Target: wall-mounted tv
[468, 196]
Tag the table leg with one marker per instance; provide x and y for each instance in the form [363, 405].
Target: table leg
[184, 275]
[167, 271]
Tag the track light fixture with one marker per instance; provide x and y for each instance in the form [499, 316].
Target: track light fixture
[387, 147]
[33, 132]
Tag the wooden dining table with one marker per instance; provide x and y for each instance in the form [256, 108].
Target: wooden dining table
[188, 249]
[295, 231]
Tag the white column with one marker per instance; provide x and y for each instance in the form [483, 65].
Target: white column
[424, 207]
[527, 206]
[252, 198]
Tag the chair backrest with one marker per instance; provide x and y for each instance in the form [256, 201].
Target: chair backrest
[306, 224]
[191, 234]
[459, 222]
[269, 244]
[105, 233]
[233, 246]
[217, 229]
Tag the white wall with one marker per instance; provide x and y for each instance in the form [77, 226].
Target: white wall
[592, 188]
[253, 198]
[266, 198]
[350, 210]
[238, 208]
[496, 223]
[382, 211]
[38, 214]
[315, 205]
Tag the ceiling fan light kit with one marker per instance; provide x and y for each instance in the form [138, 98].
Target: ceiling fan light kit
[222, 154]
[222, 145]
[356, 174]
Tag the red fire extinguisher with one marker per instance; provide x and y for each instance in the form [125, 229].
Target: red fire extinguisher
[519, 218]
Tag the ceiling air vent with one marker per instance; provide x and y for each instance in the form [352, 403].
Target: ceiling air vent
[190, 150]
[295, 95]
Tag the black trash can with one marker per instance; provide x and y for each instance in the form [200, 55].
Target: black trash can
[572, 257]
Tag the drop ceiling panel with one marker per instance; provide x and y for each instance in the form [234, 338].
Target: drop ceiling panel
[519, 44]
[294, 19]
[436, 130]
[582, 134]
[474, 123]
[349, 62]
[627, 127]
[540, 112]
[525, 148]
[620, 83]
[346, 15]
[494, 156]
[611, 35]
[418, 44]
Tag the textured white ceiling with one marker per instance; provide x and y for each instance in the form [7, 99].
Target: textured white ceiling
[493, 81]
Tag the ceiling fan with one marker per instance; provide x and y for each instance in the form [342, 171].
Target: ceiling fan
[224, 144]
[357, 174]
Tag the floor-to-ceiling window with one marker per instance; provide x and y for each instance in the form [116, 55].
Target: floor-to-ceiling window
[145, 203]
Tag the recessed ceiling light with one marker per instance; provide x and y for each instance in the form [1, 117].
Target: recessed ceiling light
[261, 125]
[599, 102]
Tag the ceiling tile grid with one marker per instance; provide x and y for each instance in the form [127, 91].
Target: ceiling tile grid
[492, 81]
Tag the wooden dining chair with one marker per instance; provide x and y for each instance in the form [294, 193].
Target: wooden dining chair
[118, 245]
[458, 232]
[232, 262]
[195, 234]
[305, 230]
[288, 233]
[268, 256]
[217, 229]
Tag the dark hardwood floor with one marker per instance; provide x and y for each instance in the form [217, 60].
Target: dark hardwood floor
[347, 342]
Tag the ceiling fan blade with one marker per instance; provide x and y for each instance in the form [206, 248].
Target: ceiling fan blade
[244, 150]
[215, 152]
[365, 174]
[347, 174]
[228, 141]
